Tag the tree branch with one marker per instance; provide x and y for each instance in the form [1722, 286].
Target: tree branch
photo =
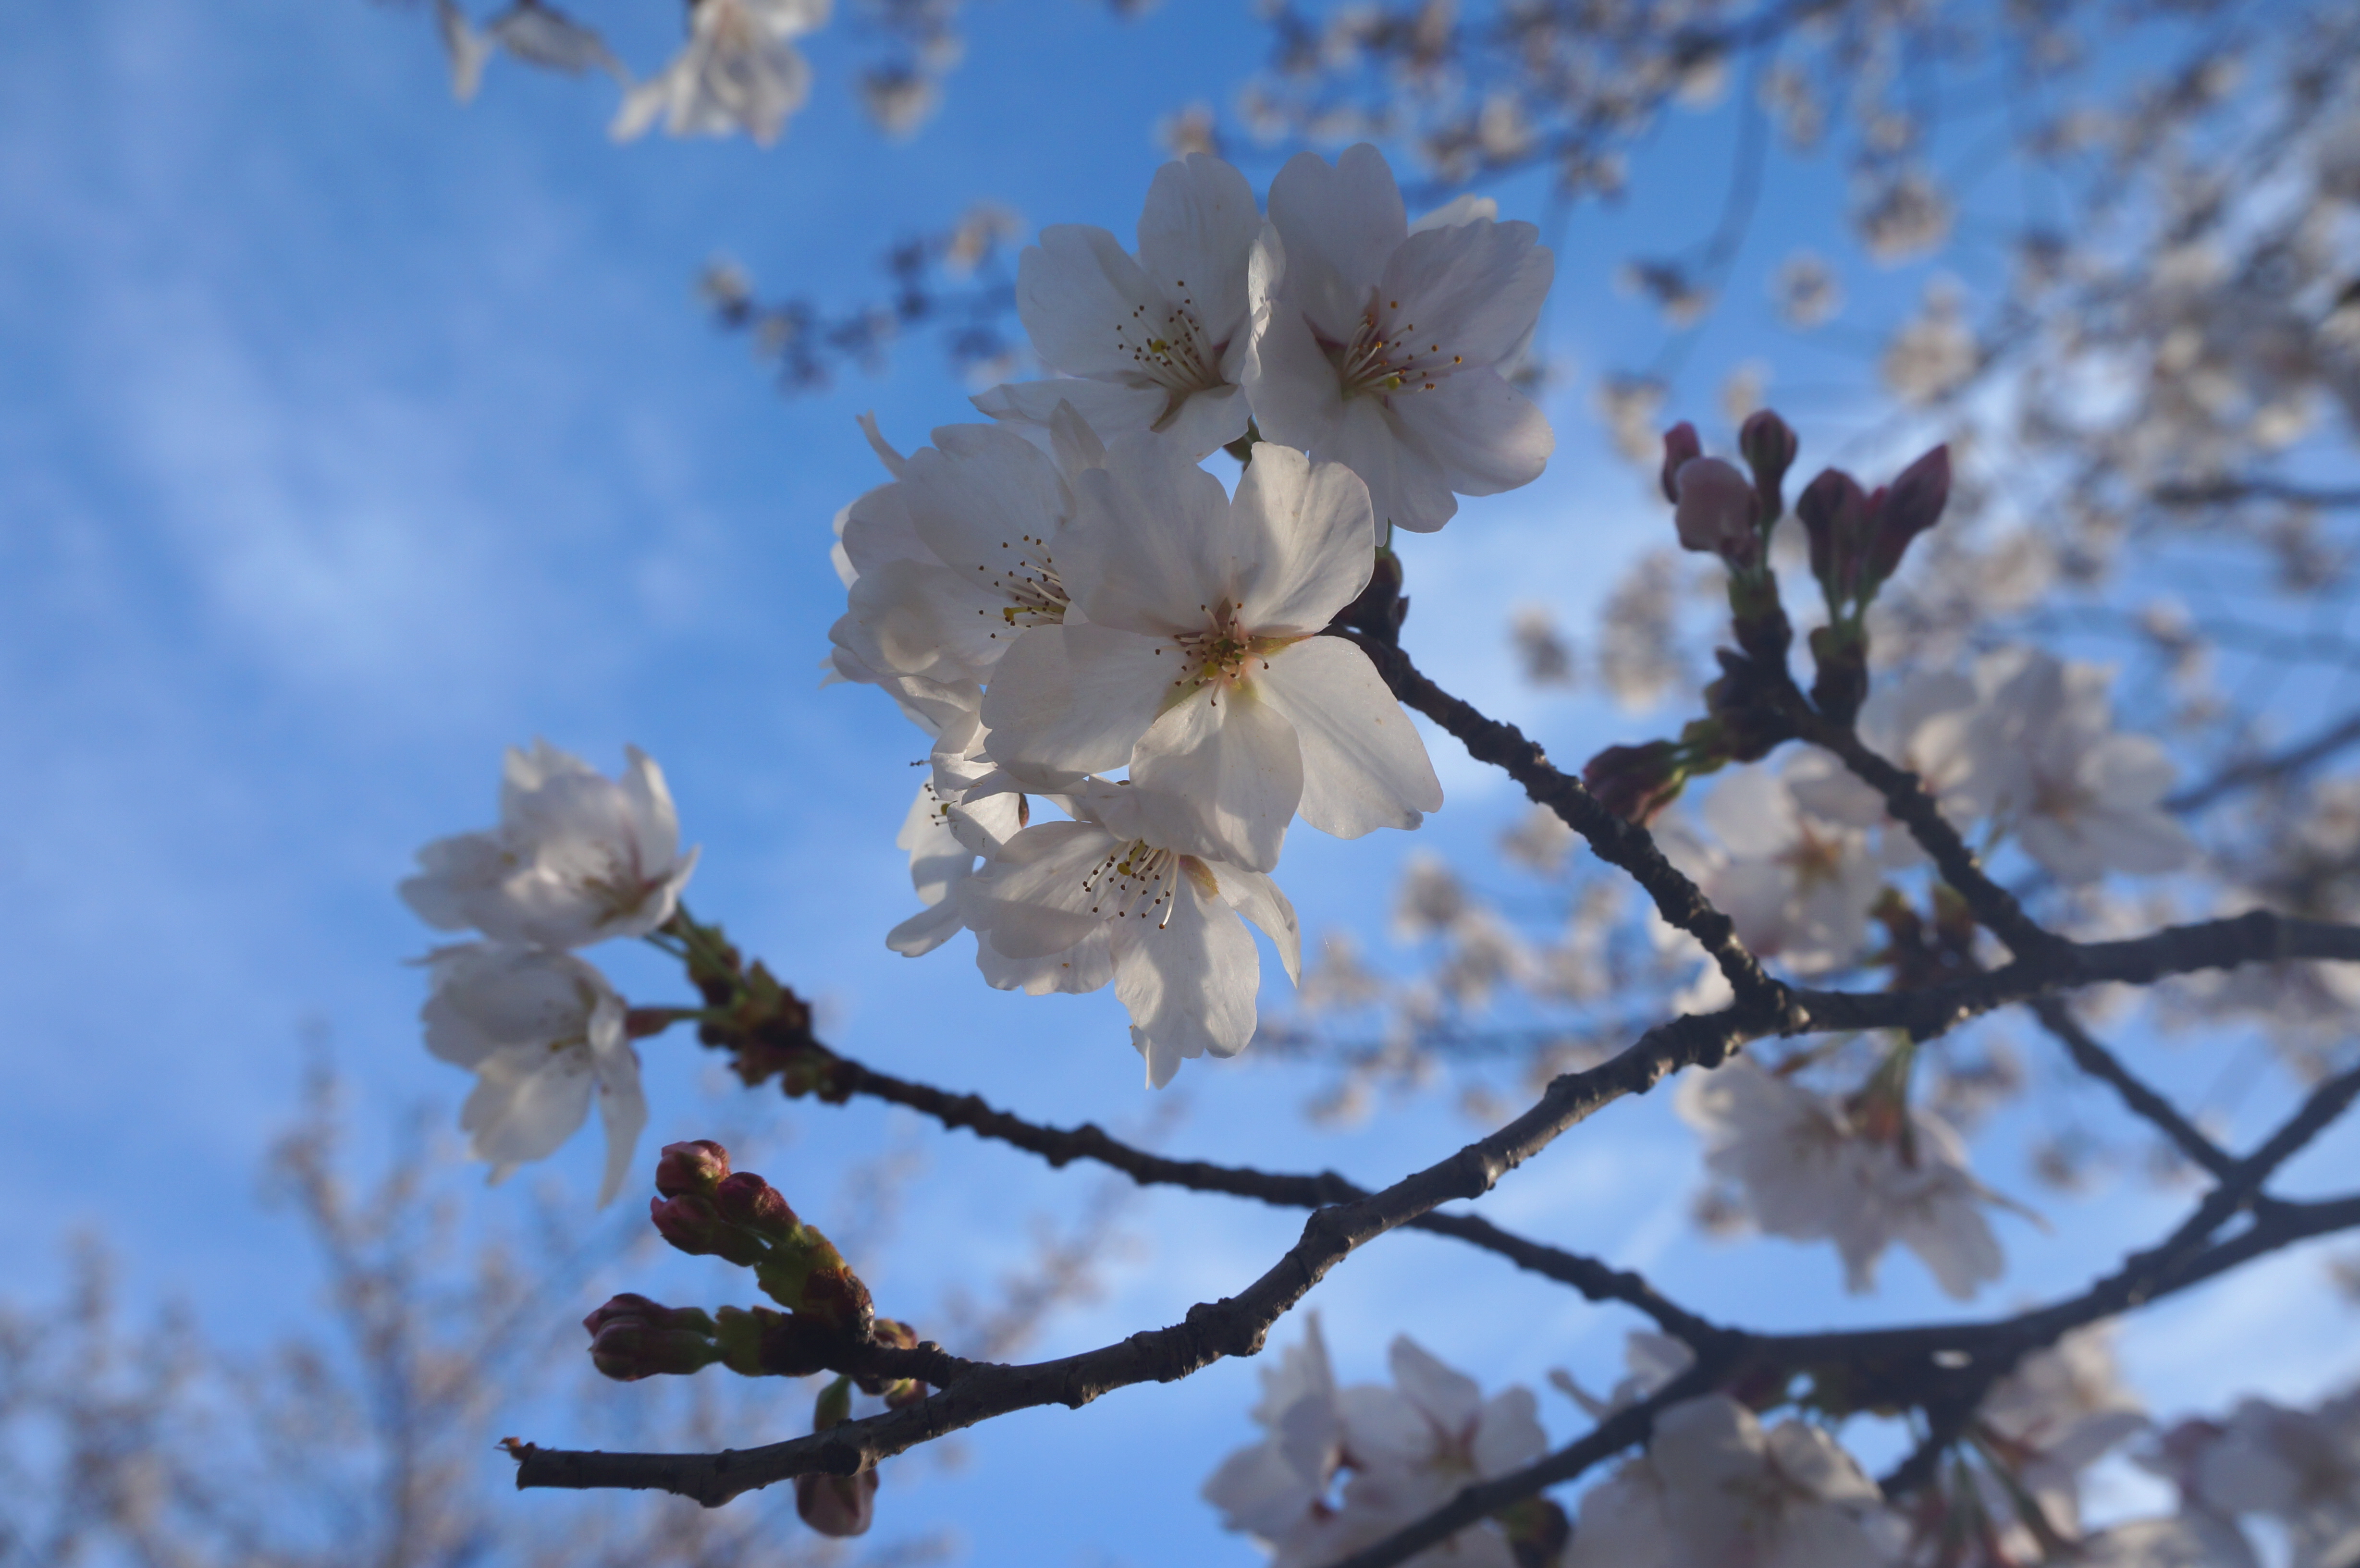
[2101, 1063]
[1618, 842]
[2263, 770]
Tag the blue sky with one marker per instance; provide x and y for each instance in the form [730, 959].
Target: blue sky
[348, 436]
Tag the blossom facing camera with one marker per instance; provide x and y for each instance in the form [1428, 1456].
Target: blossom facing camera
[1200, 666]
[543, 1032]
[1384, 344]
[1151, 339]
[578, 858]
[1103, 898]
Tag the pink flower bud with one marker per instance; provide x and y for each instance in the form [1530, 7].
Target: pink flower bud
[1908, 508]
[1636, 782]
[689, 1224]
[1769, 448]
[686, 1167]
[632, 1337]
[745, 1200]
[1680, 446]
[837, 1505]
[1836, 512]
[1718, 511]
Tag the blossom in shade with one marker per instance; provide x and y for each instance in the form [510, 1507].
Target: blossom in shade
[946, 566]
[1798, 885]
[1069, 906]
[1816, 1168]
[2083, 800]
[1384, 343]
[543, 1033]
[1924, 722]
[578, 858]
[1716, 1487]
[1402, 1452]
[2300, 1468]
[1150, 341]
[1200, 666]
[738, 72]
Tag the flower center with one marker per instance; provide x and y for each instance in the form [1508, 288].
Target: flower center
[1172, 351]
[1225, 653]
[1134, 882]
[1385, 356]
[1028, 581]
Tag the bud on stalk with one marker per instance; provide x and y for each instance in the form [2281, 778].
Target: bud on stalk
[686, 1167]
[632, 1337]
[1680, 447]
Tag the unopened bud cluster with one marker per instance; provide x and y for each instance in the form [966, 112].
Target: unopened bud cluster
[1857, 540]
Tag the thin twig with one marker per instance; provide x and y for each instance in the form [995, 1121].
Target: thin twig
[2143, 1100]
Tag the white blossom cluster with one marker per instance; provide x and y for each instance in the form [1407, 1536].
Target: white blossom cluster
[1066, 595]
[577, 858]
[1338, 1469]
[2021, 747]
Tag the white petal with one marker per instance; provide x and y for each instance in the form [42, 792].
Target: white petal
[1253, 895]
[1408, 487]
[1298, 399]
[1076, 699]
[1199, 225]
[1364, 767]
[1474, 290]
[1154, 545]
[527, 1101]
[622, 1105]
[1105, 405]
[1485, 436]
[1341, 223]
[1078, 969]
[1220, 775]
[1188, 981]
[979, 494]
[1038, 894]
[1073, 291]
[1308, 538]
[1449, 1399]
[1509, 1436]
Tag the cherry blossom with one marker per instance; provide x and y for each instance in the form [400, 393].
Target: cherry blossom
[2083, 800]
[738, 72]
[2300, 1467]
[1815, 1168]
[1715, 1487]
[1200, 666]
[2060, 1410]
[1923, 722]
[946, 566]
[1798, 885]
[577, 858]
[1405, 1451]
[1069, 906]
[1385, 344]
[1152, 341]
[543, 1033]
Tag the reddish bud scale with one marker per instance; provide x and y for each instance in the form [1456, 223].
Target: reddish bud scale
[837, 1506]
[1680, 446]
[1636, 782]
[748, 1202]
[686, 1167]
[689, 1224]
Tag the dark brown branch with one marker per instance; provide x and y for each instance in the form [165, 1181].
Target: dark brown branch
[1914, 807]
[2264, 769]
[1618, 842]
[1231, 1326]
[2220, 491]
[2143, 1100]
[1060, 1146]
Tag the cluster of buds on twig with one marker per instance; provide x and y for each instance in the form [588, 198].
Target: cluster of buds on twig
[765, 1027]
[1858, 538]
[1721, 510]
[708, 1210]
